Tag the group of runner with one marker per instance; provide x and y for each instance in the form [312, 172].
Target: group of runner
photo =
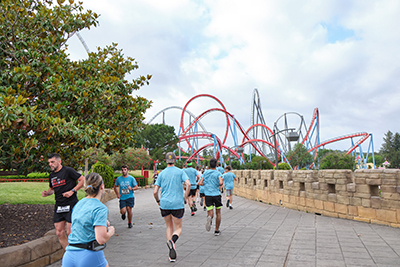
[87, 226]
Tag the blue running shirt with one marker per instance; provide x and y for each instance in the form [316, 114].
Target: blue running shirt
[87, 213]
[123, 184]
[192, 174]
[220, 169]
[228, 180]
[170, 181]
[211, 182]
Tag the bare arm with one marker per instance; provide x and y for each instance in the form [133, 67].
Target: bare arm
[221, 181]
[102, 234]
[69, 193]
[116, 191]
[155, 194]
[201, 182]
[47, 193]
[187, 191]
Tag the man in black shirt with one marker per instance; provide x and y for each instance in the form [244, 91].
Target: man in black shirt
[62, 182]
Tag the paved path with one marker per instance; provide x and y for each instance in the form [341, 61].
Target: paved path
[252, 234]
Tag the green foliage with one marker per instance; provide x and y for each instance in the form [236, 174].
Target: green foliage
[378, 159]
[158, 138]
[299, 156]
[337, 160]
[94, 155]
[262, 163]
[283, 166]
[390, 149]
[106, 172]
[49, 103]
[133, 158]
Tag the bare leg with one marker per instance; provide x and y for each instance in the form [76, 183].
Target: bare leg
[130, 214]
[170, 226]
[123, 210]
[60, 230]
[217, 219]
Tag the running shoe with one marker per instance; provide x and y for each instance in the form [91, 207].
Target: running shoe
[194, 207]
[217, 232]
[205, 208]
[192, 213]
[130, 225]
[230, 207]
[227, 203]
[172, 251]
[123, 216]
[208, 223]
[201, 202]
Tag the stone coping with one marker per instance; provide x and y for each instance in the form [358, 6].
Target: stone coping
[40, 252]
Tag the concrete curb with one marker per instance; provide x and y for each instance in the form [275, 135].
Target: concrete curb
[40, 252]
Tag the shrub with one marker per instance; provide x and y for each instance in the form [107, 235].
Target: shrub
[106, 172]
[283, 166]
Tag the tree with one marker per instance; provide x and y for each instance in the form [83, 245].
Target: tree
[299, 156]
[134, 158]
[337, 160]
[378, 159]
[390, 149]
[158, 138]
[49, 103]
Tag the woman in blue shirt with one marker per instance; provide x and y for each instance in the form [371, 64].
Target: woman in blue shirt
[90, 229]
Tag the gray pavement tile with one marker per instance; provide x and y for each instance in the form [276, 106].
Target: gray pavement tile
[296, 263]
[329, 256]
[330, 263]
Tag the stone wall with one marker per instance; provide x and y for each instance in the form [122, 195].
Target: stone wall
[364, 195]
[40, 252]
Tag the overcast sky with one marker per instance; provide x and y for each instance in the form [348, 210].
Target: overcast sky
[341, 57]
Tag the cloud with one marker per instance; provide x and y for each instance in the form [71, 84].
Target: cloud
[339, 56]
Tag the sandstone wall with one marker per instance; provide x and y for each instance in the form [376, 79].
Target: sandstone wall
[40, 252]
[364, 195]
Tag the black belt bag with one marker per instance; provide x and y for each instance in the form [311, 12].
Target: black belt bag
[92, 245]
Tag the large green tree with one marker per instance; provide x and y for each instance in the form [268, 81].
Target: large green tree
[49, 103]
[390, 149]
[337, 160]
[299, 156]
[158, 138]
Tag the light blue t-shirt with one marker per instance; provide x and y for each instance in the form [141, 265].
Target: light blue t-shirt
[170, 180]
[211, 182]
[192, 174]
[87, 213]
[220, 169]
[124, 183]
[228, 180]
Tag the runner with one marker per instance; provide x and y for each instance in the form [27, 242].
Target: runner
[193, 179]
[90, 228]
[62, 182]
[212, 180]
[127, 184]
[228, 177]
[172, 201]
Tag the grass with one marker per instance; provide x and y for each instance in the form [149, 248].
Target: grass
[31, 192]
[27, 193]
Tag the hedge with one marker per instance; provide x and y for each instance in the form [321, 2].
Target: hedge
[106, 172]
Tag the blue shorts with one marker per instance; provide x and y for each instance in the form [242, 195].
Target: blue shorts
[83, 258]
[129, 202]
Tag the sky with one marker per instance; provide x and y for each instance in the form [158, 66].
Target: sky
[340, 56]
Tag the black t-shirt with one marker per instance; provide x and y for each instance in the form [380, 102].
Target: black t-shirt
[64, 181]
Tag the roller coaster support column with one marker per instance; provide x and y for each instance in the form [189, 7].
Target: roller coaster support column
[291, 136]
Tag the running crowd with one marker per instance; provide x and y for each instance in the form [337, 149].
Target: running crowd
[82, 226]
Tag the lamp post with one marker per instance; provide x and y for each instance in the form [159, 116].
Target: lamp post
[291, 136]
[239, 151]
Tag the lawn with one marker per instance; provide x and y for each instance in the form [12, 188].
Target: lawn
[27, 193]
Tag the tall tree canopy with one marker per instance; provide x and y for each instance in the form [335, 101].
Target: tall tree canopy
[49, 103]
[390, 149]
[299, 156]
[158, 138]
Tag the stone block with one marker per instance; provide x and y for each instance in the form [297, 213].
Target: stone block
[43, 261]
[365, 202]
[390, 204]
[56, 256]
[398, 215]
[375, 202]
[389, 181]
[330, 214]
[302, 194]
[359, 181]
[323, 186]
[398, 189]
[362, 188]
[40, 247]
[341, 187]
[339, 208]
[330, 181]
[310, 203]
[362, 195]
[386, 215]
[329, 206]
[332, 197]
[379, 222]
[302, 201]
[15, 256]
[390, 196]
[345, 216]
[351, 187]
[341, 181]
[319, 204]
[376, 181]
[355, 201]
[342, 199]
[361, 219]
[368, 213]
[315, 185]
[353, 210]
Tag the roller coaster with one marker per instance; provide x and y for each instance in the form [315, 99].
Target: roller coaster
[259, 138]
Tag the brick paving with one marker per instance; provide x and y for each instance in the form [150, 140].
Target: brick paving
[252, 234]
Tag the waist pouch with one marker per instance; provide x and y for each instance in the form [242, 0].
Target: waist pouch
[92, 245]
